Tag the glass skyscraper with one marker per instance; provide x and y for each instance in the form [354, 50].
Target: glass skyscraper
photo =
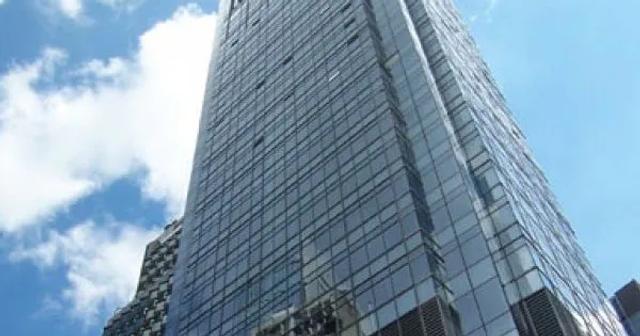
[358, 173]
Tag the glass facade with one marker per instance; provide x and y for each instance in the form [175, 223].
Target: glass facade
[357, 173]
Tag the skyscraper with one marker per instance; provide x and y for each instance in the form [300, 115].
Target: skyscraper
[626, 302]
[146, 314]
[357, 172]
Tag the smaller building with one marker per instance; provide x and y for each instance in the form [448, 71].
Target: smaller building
[146, 314]
[626, 302]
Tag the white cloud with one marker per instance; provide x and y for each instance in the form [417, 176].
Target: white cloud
[121, 4]
[491, 7]
[111, 68]
[70, 8]
[59, 143]
[480, 9]
[74, 9]
[103, 263]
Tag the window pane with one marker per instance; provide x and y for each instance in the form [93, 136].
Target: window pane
[469, 315]
[402, 279]
[474, 249]
[460, 285]
[365, 302]
[481, 272]
[453, 262]
[387, 314]
[406, 302]
[491, 300]
[383, 291]
[420, 267]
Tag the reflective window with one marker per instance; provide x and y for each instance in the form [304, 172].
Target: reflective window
[383, 291]
[402, 279]
[482, 272]
[491, 300]
[406, 302]
[387, 314]
[468, 310]
[453, 262]
[474, 249]
[460, 284]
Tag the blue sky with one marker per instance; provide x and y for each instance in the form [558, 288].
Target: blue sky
[99, 102]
